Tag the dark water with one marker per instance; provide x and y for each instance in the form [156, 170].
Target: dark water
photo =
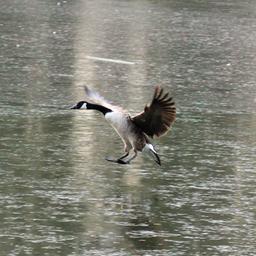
[58, 196]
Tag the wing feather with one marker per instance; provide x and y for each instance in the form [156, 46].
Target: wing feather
[158, 116]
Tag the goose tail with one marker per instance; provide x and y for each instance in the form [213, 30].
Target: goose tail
[149, 148]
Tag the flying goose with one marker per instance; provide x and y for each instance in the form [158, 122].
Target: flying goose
[156, 119]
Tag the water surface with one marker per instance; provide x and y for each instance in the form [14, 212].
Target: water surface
[58, 194]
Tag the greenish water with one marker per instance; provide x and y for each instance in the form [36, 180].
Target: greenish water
[58, 196]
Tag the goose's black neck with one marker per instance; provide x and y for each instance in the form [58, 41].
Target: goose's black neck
[100, 108]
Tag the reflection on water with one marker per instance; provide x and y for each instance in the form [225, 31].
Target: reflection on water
[58, 194]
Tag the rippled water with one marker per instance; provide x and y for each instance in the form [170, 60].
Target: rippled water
[58, 195]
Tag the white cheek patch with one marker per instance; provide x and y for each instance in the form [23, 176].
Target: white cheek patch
[84, 106]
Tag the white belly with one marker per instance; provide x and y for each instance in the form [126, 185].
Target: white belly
[124, 128]
[118, 120]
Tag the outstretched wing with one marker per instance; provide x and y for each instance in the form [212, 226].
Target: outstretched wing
[95, 98]
[158, 116]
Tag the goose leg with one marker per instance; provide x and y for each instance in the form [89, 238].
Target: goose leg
[120, 161]
[127, 149]
[123, 156]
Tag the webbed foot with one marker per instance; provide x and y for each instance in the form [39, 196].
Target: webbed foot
[118, 161]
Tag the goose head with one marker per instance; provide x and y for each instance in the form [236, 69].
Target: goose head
[80, 105]
[87, 105]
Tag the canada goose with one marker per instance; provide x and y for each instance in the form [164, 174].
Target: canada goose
[155, 120]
